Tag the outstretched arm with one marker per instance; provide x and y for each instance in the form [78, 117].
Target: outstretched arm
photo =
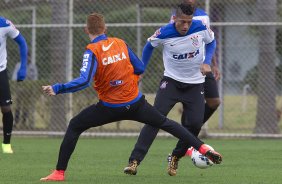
[23, 53]
[87, 72]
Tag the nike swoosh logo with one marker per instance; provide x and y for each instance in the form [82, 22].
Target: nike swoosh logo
[107, 48]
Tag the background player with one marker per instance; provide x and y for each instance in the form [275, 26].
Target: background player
[7, 29]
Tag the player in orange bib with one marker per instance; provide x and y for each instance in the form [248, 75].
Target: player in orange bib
[115, 80]
[115, 70]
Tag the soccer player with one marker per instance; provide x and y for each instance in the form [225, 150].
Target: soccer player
[212, 100]
[115, 70]
[7, 29]
[188, 47]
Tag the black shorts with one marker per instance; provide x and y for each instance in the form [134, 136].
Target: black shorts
[190, 95]
[210, 86]
[5, 94]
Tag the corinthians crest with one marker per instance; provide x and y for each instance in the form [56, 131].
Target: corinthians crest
[195, 41]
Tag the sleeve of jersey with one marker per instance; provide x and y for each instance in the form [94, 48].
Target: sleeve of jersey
[208, 38]
[210, 49]
[13, 32]
[137, 64]
[147, 53]
[208, 35]
[156, 38]
[23, 53]
[87, 71]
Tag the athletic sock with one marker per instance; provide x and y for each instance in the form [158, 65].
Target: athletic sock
[7, 126]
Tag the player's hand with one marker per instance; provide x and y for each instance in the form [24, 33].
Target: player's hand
[48, 90]
[21, 74]
[216, 73]
[205, 68]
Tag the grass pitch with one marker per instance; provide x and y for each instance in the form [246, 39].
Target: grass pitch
[101, 161]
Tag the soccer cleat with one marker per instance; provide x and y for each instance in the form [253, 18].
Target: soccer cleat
[189, 152]
[56, 175]
[131, 169]
[210, 154]
[172, 165]
[7, 148]
[214, 156]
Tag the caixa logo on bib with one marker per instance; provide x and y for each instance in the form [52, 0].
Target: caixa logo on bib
[116, 82]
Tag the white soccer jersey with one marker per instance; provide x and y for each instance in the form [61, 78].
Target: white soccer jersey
[7, 29]
[183, 55]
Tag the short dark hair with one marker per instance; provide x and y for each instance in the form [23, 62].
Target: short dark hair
[184, 8]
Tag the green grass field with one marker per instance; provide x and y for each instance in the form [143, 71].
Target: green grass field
[101, 161]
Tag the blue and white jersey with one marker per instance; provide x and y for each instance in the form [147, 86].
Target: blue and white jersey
[201, 15]
[183, 54]
[7, 29]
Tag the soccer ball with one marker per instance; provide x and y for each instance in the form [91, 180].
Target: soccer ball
[200, 160]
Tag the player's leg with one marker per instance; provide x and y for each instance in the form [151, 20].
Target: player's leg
[7, 119]
[164, 102]
[193, 107]
[147, 114]
[7, 128]
[211, 96]
[146, 137]
[92, 116]
[193, 104]
[156, 119]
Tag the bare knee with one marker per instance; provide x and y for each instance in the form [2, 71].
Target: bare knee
[213, 102]
[5, 109]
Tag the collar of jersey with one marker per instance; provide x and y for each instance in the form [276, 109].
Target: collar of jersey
[99, 38]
